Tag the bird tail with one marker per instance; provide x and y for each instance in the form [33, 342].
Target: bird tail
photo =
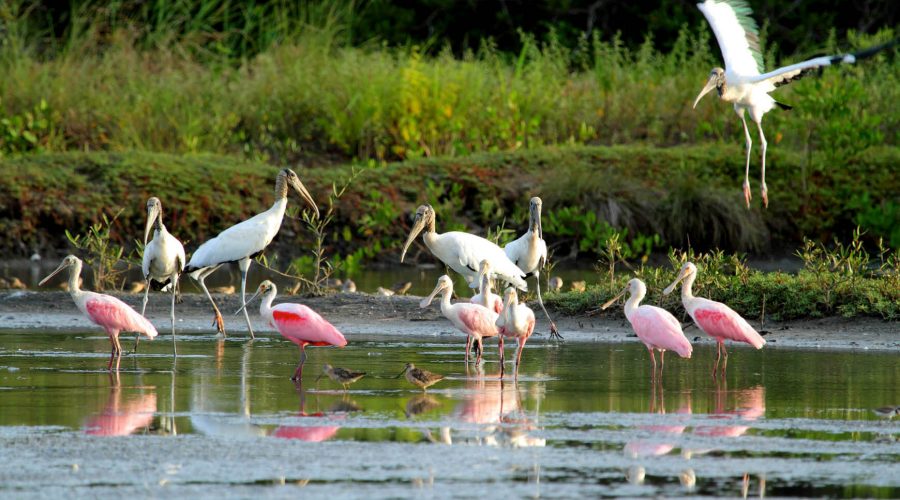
[786, 107]
[871, 51]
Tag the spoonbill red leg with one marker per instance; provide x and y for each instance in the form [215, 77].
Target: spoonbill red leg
[652, 360]
[116, 351]
[520, 345]
[201, 278]
[298, 373]
[501, 354]
[662, 361]
[468, 347]
[244, 265]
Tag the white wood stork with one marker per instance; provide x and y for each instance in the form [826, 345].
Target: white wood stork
[162, 263]
[242, 242]
[743, 82]
[529, 252]
[463, 252]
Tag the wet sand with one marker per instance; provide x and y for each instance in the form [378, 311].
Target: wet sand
[400, 316]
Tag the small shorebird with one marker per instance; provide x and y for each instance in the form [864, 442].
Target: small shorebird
[342, 376]
[421, 378]
[886, 412]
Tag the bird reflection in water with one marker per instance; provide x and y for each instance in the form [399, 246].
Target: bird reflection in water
[121, 418]
[313, 433]
[664, 442]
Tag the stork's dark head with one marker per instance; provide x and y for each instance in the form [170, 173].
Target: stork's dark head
[716, 81]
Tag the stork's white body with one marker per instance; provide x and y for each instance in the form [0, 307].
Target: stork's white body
[164, 257]
[240, 241]
[528, 252]
[463, 252]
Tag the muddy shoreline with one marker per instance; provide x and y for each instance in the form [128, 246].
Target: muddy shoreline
[400, 316]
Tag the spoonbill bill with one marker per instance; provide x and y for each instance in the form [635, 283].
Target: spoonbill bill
[420, 377]
[162, 263]
[516, 321]
[463, 252]
[656, 327]
[529, 252]
[342, 376]
[474, 320]
[297, 323]
[715, 318]
[743, 82]
[104, 310]
[244, 241]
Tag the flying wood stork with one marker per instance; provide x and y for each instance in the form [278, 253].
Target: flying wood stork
[715, 318]
[529, 252]
[463, 252]
[656, 327]
[743, 82]
[242, 242]
[162, 263]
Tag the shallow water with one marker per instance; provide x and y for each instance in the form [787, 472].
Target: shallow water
[583, 419]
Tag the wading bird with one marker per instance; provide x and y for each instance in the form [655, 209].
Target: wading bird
[244, 241]
[516, 321]
[743, 82]
[104, 310]
[474, 320]
[715, 318]
[421, 378]
[656, 327]
[297, 323]
[342, 376]
[484, 296]
[463, 252]
[162, 263]
[529, 252]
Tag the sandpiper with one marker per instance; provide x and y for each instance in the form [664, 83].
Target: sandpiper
[420, 377]
[342, 376]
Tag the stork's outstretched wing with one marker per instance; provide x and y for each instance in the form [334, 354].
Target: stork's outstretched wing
[737, 34]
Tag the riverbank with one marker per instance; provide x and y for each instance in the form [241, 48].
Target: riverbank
[358, 314]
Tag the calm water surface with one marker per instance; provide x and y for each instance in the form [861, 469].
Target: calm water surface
[583, 419]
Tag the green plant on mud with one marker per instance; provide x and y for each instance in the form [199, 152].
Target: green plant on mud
[101, 253]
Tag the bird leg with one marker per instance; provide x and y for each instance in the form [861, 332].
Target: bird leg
[218, 322]
[762, 140]
[298, 373]
[480, 347]
[747, 196]
[501, 353]
[554, 332]
[468, 347]
[244, 265]
[662, 362]
[653, 360]
[724, 360]
[718, 357]
[174, 288]
[137, 336]
[521, 345]
[115, 353]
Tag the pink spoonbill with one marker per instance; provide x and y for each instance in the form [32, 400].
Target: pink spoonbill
[104, 310]
[244, 241]
[529, 252]
[297, 323]
[516, 321]
[715, 318]
[484, 295]
[656, 327]
[463, 252]
[163, 261]
[474, 320]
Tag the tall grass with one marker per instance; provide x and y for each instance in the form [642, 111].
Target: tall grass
[303, 94]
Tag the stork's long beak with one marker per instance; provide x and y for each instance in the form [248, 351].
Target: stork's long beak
[710, 84]
[612, 300]
[536, 221]
[301, 190]
[152, 214]
[418, 225]
[258, 291]
[681, 275]
[427, 300]
[64, 264]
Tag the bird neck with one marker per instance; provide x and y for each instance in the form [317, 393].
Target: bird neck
[445, 299]
[265, 304]
[687, 293]
[74, 275]
[634, 301]
[281, 187]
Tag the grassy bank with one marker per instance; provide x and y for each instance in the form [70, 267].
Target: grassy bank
[656, 197]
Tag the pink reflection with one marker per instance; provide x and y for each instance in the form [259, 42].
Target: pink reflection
[122, 419]
[749, 404]
[663, 445]
[313, 434]
[489, 401]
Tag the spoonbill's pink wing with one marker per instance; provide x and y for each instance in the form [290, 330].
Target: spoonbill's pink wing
[299, 323]
[659, 329]
[720, 321]
[476, 319]
[113, 314]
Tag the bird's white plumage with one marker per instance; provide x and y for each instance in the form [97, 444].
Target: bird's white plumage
[734, 40]
[463, 252]
[241, 240]
[163, 256]
[527, 252]
[772, 79]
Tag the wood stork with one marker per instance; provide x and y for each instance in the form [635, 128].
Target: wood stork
[244, 241]
[463, 252]
[162, 263]
[656, 327]
[743, 82]
[715, 318]
[474, 320]
[105, 310]
[297, 323]
[516, 321]
[529, 252]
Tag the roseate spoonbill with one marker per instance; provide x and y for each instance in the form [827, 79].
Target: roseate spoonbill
[743, 82]
[484, 295]
[104, 310]
[297, 323]
[420, 377]
[516, 321]
[529, 252]
[656, 327]
[463, 252]
[342, 376]
[244, 241]
[162, 263]
[474, 320]
[715, 318]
